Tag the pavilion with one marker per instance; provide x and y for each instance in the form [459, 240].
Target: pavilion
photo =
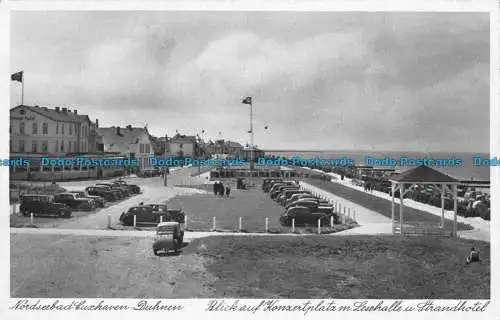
[424, 175]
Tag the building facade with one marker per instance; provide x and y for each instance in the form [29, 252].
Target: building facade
[183, 146]
[128, 141]
[41, 130]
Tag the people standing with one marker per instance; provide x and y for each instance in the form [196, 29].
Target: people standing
[222, 190]
[228, 191]
[215, 186]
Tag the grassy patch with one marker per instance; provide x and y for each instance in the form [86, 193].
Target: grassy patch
[354, 267]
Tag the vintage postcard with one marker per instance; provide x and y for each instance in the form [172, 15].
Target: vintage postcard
[252, 160]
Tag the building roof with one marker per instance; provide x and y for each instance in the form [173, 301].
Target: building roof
[183, 138]
[53, 114]
[423, 174]
[233, 144]
[121, 143]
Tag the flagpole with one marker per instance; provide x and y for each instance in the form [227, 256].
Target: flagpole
[22, 90]
[251, 135]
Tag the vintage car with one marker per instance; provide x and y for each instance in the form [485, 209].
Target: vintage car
[268, 183]
[99, 201]
[153, 172]
[108, 195]
[297, 196]
[168, 238]
[132, 188]
[73, 201]
[122, 189]
[43, 205]
[287, 194]
[143, 215]
[117, 193]
[304, 216]
[276, 193]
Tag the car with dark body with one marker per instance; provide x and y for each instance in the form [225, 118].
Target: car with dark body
[73, 201]
[287, 194]
[99, 201]
[132, 188]
[43, 205]
[123, 189]
[152, 214]
[297, 196]
[304, 216]
[150, 172]
[275, 194]
[268, 183]
[168, 237]
[117, 192]
[105, 193]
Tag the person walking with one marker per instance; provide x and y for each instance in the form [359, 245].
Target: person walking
[228, 191]
[215, 188]
[222, 189]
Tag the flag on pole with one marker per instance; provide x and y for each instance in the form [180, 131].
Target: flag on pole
[18, 76]
[247, 100]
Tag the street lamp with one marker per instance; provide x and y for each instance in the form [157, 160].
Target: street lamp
[248, 100]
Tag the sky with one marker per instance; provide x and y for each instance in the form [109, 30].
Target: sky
[319, 80]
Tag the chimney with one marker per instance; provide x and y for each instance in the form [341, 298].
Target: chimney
[64, 109]
[97, 123]
[58, 109]
[75, 111]
[118, 131]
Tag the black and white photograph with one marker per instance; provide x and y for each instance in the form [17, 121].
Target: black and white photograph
[250, 155]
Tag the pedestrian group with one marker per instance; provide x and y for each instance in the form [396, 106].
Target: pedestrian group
[220, 190]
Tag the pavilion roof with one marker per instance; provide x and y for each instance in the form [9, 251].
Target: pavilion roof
[423, 174]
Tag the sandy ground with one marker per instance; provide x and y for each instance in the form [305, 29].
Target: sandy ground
[99, 267]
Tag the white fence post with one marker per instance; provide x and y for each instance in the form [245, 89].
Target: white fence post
[331, 221]
[135, 220]
[267, 224]
[319, 226]
[31, 218]
[240, 227]
[293, 225]
[109, 220]
[213, 224]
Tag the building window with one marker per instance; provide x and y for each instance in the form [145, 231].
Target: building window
[70, 129]
[62, 144]
[148, 148]
[62, 128]
[35, 128]
[34, 147]
[21, 145]
[21, 128]
[45, 146]
[180, 145]
[45, 128]
[56, 149]
[57, 128]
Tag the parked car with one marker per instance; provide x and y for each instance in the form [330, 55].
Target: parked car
[99, 201]
[117, 193]
[310, 203]
[133, 188]
[168, 238]
[284, 196]
[144, 215]
[108, 195]
[122, 189]
[268, 183]
[43, 205]
[304, 216]
[150, 172]
[73, 201]
[298, 196]
[275, 194]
